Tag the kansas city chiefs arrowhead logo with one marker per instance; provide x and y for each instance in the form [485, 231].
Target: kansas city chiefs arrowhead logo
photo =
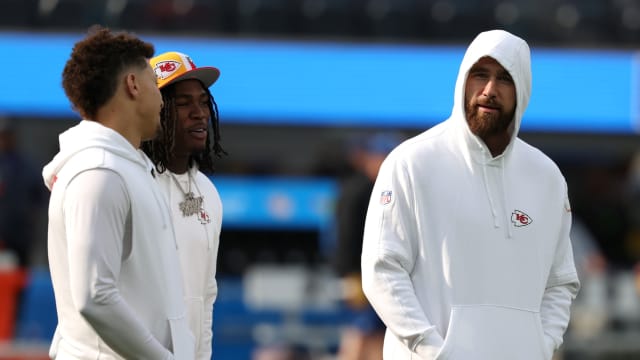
[166, 68]
[519, 218]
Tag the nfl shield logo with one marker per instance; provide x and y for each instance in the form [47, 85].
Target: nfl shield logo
[385, 197]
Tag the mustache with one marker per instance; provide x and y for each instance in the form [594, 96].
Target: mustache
[490, 103]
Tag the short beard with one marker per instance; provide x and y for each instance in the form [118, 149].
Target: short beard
[486, 125]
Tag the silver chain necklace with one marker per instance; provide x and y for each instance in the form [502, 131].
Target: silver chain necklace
[191, 204]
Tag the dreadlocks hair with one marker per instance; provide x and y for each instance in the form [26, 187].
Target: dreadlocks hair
[162, 147]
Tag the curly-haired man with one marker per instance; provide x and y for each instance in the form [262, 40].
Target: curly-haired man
[112, 249]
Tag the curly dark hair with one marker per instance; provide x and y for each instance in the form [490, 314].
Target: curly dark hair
[161, 148]
[91, 75]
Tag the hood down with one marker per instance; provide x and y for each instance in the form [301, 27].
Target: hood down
[90, 134]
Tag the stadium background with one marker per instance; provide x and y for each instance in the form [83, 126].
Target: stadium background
[301, 78]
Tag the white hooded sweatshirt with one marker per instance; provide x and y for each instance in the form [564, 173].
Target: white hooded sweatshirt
[465, 255]
[198, 237]
[112, 253]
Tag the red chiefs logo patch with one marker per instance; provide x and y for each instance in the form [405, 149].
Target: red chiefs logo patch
[165, 69]
[519, 218]
[203, 217]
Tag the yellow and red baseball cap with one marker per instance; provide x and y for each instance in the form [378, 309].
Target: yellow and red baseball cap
[173, 66]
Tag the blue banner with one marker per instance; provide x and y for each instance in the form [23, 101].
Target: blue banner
[346, 84]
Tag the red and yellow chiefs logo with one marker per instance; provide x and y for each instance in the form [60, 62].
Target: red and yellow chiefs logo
[164, 69]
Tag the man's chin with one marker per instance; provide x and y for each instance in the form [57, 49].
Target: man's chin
[197, 148]
[157, 132]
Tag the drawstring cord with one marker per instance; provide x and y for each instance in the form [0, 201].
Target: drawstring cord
[496, 223]
[504, 198]
[209, 238]
[162, 204]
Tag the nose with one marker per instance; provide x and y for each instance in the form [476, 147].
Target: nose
[199, 110]
[489, 89]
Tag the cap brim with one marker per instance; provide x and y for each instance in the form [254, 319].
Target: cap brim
[207, 74]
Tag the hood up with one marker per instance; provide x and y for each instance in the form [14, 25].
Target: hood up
[89, 134]
[513, 54]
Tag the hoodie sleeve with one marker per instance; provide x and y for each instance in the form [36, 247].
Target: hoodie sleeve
[562, 287]
[96, 208]
[389, 250]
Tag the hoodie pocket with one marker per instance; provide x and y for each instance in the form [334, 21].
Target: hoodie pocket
[182, 339]
[493, 332]
[548, 353]
[195, 307]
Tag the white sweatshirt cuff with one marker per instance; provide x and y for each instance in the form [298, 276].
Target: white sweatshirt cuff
[429, 346]
[550, 346]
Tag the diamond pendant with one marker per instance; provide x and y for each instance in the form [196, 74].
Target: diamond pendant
[191, 205]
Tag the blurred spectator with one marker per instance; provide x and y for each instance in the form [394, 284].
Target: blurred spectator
[633, 208]
[601, 206]
[363, 338]
[22, 196]
[590, 313]
[588, 257]
[610, 295]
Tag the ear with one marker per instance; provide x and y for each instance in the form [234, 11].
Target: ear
[131, 85]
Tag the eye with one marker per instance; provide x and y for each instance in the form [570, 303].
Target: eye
[507, 79]
[479, 74]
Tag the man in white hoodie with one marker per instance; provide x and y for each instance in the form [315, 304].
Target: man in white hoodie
[182, 153]
[466, 251]
[112, 250]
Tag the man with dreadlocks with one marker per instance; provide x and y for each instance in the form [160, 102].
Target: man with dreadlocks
[183, 152]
